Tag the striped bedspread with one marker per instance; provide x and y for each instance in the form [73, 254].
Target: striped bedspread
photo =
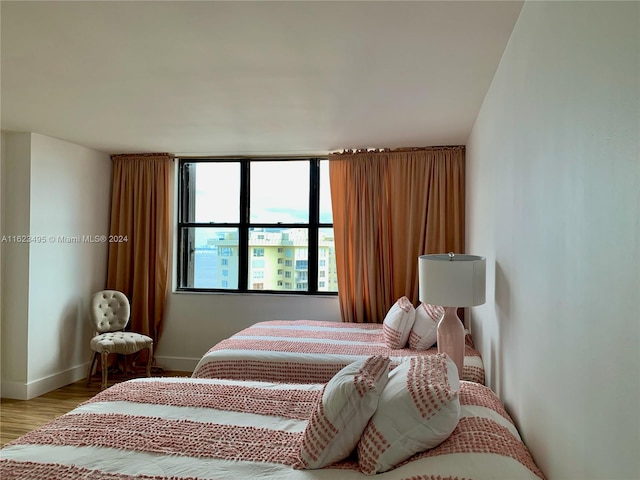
[188, 429]
[304, 351]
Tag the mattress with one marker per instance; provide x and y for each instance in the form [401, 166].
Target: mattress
[181, 428]
[309, 351]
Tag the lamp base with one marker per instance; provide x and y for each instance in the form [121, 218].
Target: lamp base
[450, 336]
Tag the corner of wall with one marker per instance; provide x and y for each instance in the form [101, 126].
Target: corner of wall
[29, 390]
[15, 186]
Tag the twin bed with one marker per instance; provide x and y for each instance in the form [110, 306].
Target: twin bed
[310, 351]
[248, 408]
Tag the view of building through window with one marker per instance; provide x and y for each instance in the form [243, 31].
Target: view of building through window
[278, 260]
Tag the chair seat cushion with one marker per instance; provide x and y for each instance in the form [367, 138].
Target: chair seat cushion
[120, 342]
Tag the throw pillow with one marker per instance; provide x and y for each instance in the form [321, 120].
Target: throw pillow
[418, 409]
[398, 322]
[348, 401]
[424, 332]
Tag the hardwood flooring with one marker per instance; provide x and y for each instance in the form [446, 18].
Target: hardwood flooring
[18, 417]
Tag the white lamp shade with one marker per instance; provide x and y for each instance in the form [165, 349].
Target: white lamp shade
[452, 280]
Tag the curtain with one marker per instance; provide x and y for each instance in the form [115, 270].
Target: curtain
[141, 227]
[389, 207]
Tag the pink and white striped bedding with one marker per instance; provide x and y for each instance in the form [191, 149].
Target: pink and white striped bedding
[304, 351]
[206, 429]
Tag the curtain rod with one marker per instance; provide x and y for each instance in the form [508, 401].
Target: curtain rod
[398, 150]
[163, 154]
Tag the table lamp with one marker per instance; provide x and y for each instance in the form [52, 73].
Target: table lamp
[451, 281]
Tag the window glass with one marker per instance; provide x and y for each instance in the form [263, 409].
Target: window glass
[214, 255]
[327, 261]
[217, 192]
[279, 192]
[326, 214]
[269, 243]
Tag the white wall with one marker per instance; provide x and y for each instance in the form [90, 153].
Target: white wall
[3, 156]
[553, 172]
[66, 193]
[16, 169]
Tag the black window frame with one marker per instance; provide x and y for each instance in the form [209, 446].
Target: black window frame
[244, 226]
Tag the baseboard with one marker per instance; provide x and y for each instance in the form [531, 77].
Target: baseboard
[29, 390]
[177, 364]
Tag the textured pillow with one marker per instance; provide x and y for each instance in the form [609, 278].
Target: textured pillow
[424, 332]
[348, 401]
[418, 409]
[398, 322]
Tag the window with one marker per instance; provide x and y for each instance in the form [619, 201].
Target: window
[256, 213]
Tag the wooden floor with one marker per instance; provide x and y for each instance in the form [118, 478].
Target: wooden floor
[18, 417]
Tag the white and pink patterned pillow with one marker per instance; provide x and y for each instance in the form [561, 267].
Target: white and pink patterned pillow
[398, 322]
[424, 332]
[349, 400]
[418, 409]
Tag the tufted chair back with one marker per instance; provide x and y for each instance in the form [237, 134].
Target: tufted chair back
[109, 310]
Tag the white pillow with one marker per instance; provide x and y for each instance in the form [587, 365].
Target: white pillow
[348, 401]
[418, 409]
[424, 332]
[398, 322]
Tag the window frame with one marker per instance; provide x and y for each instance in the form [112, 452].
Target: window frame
[186, 197]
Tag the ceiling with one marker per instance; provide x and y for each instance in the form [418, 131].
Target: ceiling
[249, 78]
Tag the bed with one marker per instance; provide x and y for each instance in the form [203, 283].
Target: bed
[304, 351]
[186, 428]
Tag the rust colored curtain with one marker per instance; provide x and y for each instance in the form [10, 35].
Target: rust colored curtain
[141, 212]
[389, 207]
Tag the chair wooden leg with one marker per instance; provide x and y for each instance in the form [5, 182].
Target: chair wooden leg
[91, 365]
[149, 360]
[105, 368]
